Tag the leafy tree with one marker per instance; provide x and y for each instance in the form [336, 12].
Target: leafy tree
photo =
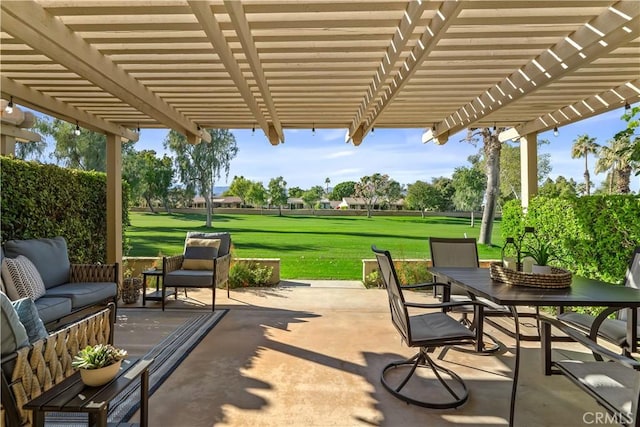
[560, 188]
[469, 185]
[371, 189]
[312, 196]
[180, 197]
[342, 190]
[201, 164]
[157, 177]
[240, 187]
[491, 149]
[86, 151]
[31, 149]
[616, 159]
[421, 196]
[582, 146]
[633, 122]
[510, 168]
[295, 192]
[445, 192]
[392, 193]
[278, 193]
[257, 194]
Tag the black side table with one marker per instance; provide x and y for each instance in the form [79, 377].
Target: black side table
[157, 294]
[71, 395]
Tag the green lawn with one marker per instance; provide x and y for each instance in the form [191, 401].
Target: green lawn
[310, 247]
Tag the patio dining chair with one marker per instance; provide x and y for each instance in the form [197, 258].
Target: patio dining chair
[427, 331]
[611, 330]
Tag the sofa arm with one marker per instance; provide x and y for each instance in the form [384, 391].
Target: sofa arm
[222, 264]
[93, 273]
[172, 263]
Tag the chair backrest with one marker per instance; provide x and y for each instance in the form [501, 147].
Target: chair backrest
[224, 237]
[632, 278]
[399, 313]
[453, 252]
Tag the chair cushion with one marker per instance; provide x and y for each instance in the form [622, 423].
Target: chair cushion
[22, 278]
[613, 330]
[199, 253]
[50, 309]
[225, 240]
[437, 326]
[189, 278]
[83, 294]
[48, 255]
[30, 319]
[13, 334]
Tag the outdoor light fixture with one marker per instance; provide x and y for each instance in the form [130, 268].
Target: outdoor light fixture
[627, 106]
[253, 130]
[555, 131]
[373, 130]
[77, 130]
[433, 128]
[9, 108]
[138, 128]
[313, 129]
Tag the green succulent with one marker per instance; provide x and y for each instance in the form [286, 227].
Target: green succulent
[541, 252]
[98, 356]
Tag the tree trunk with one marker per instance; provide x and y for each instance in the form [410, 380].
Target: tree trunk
[492, 149]
[279, 210]
[623, 180]
[587, 180]
[473, 219]
[149, 204]
[207, 202]
[422, 213]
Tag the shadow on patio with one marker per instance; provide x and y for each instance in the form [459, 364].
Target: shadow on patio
[312, 356]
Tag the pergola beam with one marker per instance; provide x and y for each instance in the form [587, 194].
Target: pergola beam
[617, 25]
[211, 26]
[437, 28]
[400, 39]
[54, 108]
[239, 19]
[589, 107]
[29, 22]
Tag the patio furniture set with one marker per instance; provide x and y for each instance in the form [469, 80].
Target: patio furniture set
[470, 289]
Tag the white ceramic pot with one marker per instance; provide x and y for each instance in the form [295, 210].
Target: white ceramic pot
[100, 376]
[540, 269]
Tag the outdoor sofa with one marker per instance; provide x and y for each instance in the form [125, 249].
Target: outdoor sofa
[40, 269]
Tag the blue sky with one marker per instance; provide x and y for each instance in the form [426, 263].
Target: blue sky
[306, 159]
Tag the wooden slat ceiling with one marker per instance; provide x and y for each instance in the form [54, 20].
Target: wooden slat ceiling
[352, 64]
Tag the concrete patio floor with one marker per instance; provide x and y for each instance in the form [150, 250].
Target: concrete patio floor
[309, 354]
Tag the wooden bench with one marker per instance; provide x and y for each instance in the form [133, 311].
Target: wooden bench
[613, 382]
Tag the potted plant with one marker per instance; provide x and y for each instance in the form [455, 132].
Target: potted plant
[131, 286]
[98, 364]
[542, 253]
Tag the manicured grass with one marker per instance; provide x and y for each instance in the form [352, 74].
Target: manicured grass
[309, 247]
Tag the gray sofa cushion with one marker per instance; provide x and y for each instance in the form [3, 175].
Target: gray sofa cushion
[83, 294]
[225, 240]
[50, 309]
[48, 255]
[189, 278]
[14, 335]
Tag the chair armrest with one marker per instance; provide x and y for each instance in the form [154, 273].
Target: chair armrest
[426, 285]
[171, 263]
[93, 273]
[594, 347]
[446, 304]
[222, 266]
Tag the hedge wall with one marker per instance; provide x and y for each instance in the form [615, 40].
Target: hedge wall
[43, 200]
[594, 236]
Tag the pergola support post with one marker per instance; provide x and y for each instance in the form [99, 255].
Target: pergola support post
[528, 167]
[7, 145]
[114, 200]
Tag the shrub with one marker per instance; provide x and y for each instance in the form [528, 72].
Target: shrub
[249, 274]
[412, 273]
[373, 280]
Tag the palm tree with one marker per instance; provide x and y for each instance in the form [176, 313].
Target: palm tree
[616, 158]
[327, 181]
[582, 146]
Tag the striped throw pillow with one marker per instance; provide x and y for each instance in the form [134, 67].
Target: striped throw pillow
[21, 278]
[199, 254]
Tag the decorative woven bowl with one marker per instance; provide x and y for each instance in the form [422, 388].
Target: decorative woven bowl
[558, 278]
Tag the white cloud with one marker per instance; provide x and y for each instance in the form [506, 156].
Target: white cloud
[337, 154]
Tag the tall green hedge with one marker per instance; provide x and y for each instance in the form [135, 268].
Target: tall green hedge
[43, 200]
[593, 236]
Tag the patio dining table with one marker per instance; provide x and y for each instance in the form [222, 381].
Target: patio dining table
[582, 292]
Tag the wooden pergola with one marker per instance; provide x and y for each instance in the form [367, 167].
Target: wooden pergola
[117, 66]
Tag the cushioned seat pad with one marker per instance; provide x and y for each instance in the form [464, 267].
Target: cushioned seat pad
[613, 330]
[189, 278]
[434, 326]
[84, 294]
[50, 309]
